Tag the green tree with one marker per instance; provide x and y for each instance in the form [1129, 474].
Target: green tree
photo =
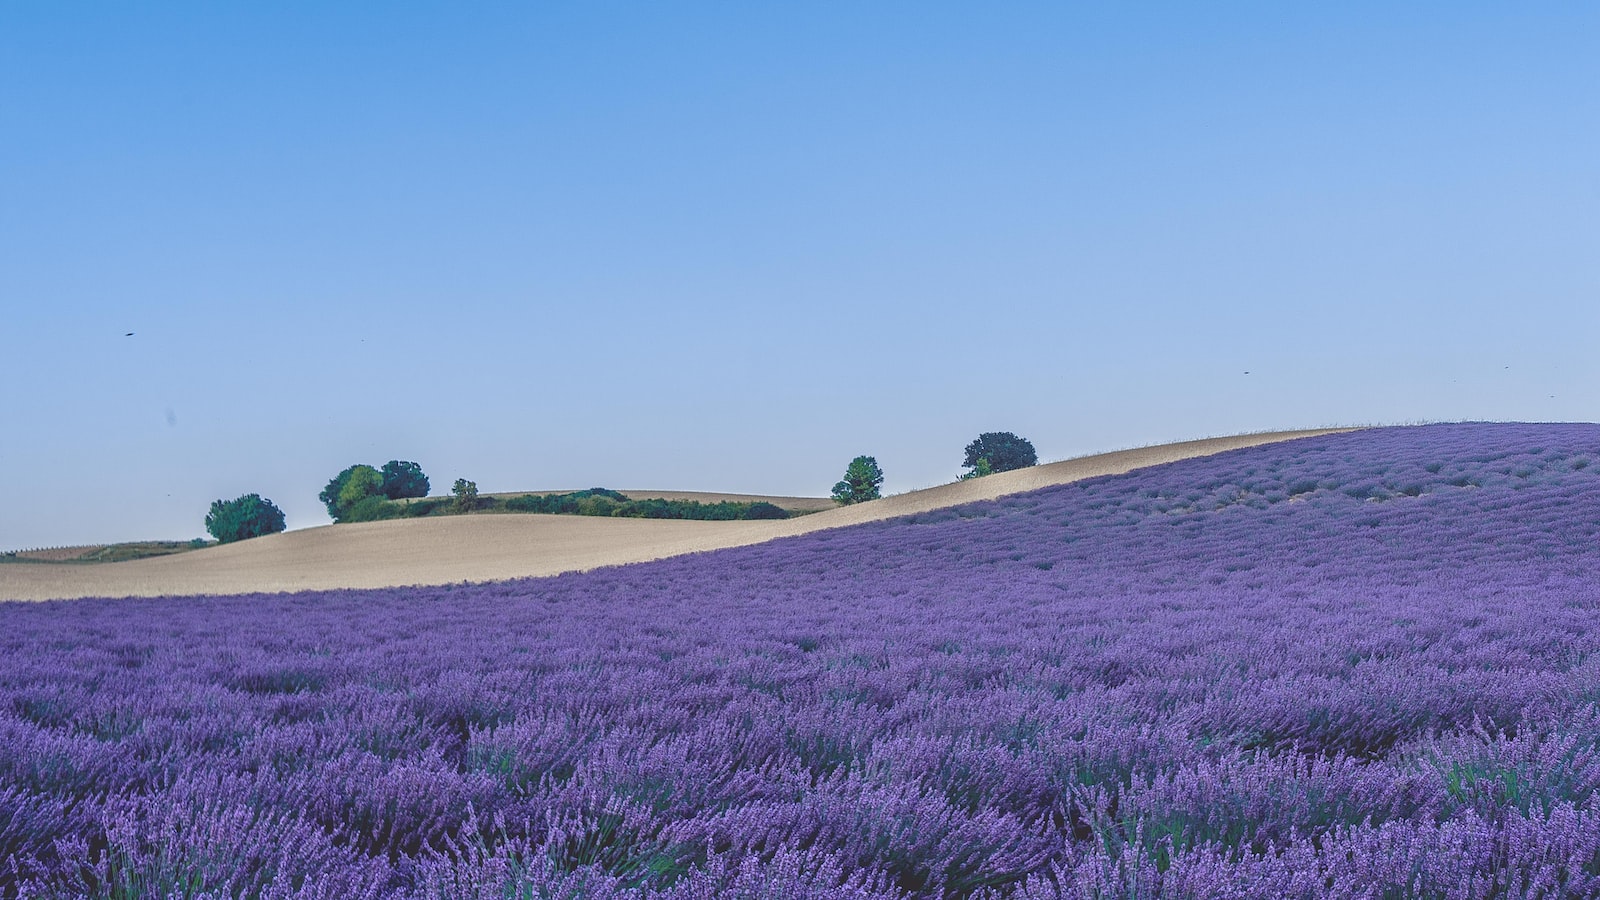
[861, 481]
[350, 487]
[1004, 451]
[372, 509]
[246, 517]
[364, 482]
[330, 492]
[979, 469]
[403, 479]
[761, 509]
[466, 494]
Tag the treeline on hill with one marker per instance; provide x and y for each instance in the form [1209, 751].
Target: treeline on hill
[601, 502]
[591, 502]
[399, 490]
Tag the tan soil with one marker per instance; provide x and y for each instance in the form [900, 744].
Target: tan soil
[493, 547]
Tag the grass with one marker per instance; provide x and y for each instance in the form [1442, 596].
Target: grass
[103, 553]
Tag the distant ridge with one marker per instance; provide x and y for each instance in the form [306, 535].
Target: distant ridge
[454, 549]
[804, 504]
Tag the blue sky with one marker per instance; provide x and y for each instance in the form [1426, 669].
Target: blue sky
[731, 246]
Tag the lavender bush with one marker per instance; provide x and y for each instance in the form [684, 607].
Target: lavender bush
[1360, 665]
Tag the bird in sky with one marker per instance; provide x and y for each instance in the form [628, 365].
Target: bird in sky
[129, 334]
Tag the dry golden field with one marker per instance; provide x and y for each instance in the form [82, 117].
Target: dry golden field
[493, 547]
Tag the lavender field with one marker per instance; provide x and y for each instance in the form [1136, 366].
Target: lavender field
[1359, 665]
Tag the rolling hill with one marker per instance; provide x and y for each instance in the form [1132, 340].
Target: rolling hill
[1355, 665]
[486, 548]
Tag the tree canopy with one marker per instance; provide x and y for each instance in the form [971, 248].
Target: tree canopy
[403, 479]
[364, 482]
[1004, 451]
[244, 517]
[350, 487]
[466, 494]
[862, 479]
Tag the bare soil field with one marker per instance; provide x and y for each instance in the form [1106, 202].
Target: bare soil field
[495, 547]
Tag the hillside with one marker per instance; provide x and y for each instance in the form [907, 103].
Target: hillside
[485, 548]
[792, 504]
[1356, 665]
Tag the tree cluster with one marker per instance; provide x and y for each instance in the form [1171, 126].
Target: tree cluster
[244, 517]
[361, 493]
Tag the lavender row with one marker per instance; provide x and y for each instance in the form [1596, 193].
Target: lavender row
[1348, 666]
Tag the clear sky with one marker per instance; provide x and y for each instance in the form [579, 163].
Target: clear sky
[730, 246]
